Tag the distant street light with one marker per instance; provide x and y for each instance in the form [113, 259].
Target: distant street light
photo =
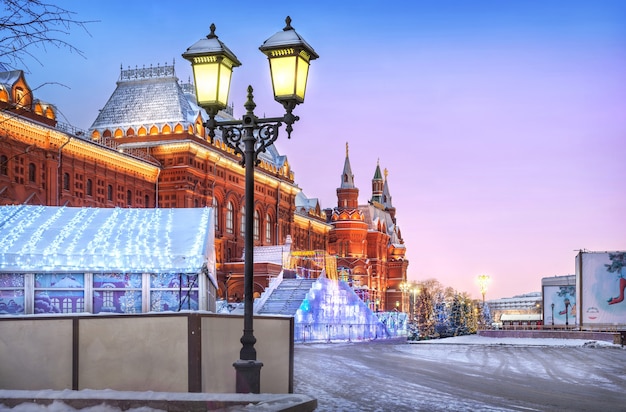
[415, 291]
[566, 312]
[212, 63]
[483, 281]
[404, 288]
[552, 313]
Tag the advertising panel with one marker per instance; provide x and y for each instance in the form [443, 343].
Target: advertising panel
[601, 275]
[559, 305]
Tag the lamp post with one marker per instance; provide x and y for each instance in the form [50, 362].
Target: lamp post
[404, 287]
[212, 62]
[566, 312]
[416, 291]
[483, 281]
[552, 305]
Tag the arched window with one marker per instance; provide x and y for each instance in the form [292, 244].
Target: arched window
[109, 193]
[216, 207]
[242, 226]
[257, 225]
[268, 229]
[229, 217]
[4, 166]
[32, 170]
[66, 181]
[89, 187]
[129, 197]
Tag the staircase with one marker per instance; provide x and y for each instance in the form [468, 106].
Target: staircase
[287, 297]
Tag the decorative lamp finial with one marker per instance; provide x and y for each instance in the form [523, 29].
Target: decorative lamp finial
[212, 35]
[288, 26]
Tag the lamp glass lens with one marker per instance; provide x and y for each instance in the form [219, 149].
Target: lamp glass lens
[303, 73]
[225, 74]
[283, 73]
[206, 78]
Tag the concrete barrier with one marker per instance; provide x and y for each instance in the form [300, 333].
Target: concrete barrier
[163, 352]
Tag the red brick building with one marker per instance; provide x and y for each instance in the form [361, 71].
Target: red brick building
[367, 242]
[148, 148]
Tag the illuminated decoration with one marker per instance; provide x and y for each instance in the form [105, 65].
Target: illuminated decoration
[64, 239]
[483, 282]
[332, 311]
[310, 264]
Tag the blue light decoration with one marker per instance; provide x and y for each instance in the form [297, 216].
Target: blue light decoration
[332, 311]
[72, 260]
[67, 239]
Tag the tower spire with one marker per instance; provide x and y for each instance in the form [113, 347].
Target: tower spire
[377, 185]
[347, 193]
[347, 178]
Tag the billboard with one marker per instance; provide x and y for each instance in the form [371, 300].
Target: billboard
[601, 285]
[559, 307]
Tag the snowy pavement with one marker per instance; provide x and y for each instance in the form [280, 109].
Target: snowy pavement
[465, 373]
[468, 373]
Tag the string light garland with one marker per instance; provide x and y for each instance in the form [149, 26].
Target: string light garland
[54, 239]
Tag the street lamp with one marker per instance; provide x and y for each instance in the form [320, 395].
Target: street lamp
[552, 305]
[404, 287]
[483, 281]
[212, 62]
[566, 312]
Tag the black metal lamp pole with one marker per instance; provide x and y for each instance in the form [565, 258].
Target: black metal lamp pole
[256, 135]
[566, 313]
[552, 313]
[289, 57]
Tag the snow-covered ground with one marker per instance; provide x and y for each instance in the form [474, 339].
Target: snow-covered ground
[466, 373]
[444, 354]
[484, 340]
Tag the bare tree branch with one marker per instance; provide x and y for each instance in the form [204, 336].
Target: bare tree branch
[28, 24]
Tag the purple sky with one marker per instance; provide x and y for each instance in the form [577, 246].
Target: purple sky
[502, 124]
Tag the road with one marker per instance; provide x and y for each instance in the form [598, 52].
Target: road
[396, 376]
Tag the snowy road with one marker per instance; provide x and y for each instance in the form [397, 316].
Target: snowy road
[445, 376]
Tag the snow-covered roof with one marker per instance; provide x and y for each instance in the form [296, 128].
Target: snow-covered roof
[153, 96]
[8, 78]
[306, 203]
[145, 97]
[271, 254]
[374, 216]
[56, 239]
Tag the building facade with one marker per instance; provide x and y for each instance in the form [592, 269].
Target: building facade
[371, 255]
[148, 148]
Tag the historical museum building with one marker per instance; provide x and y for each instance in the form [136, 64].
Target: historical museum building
[148, 148]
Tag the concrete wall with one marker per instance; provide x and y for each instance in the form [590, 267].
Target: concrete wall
[171, 352]
[36, 354]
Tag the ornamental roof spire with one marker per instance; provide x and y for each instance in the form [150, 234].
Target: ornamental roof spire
[347, 178]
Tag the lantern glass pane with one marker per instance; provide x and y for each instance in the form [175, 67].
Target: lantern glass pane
[225, 75]
[205, 76]
[283, 73]
[303, 73]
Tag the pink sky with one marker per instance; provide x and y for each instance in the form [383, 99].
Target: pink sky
[502, 124]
